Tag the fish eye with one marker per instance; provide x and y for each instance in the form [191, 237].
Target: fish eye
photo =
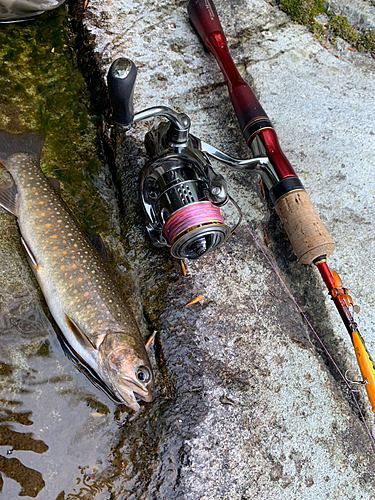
[143, 374]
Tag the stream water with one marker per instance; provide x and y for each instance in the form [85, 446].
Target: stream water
[61, 438]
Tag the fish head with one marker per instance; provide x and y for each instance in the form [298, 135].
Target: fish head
[127, 367]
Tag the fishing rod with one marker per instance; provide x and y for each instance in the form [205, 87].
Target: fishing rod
[308, 236]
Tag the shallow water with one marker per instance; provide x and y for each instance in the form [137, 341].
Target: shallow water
[45, 407]
[61, 438]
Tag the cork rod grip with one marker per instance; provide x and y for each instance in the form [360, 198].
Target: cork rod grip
[305, 230]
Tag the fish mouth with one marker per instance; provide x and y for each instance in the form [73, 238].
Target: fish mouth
[130, 389]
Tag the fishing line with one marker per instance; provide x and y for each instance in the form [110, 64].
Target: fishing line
[201, 213]
[259, 246]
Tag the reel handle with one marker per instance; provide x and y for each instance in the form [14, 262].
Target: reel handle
[121, 80]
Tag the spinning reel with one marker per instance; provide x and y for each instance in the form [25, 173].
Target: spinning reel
[181, 194]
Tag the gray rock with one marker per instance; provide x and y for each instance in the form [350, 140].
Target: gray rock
[360, 13]
[257, 410]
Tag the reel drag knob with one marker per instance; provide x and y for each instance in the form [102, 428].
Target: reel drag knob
[121, 79]
[199, 239]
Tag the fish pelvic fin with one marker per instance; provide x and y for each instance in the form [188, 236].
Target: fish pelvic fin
[27, 142]
[55, 184]
[98, 243]
[78, 334]
[8, 197]
[29, 253]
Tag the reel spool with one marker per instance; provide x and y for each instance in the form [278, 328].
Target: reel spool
[180, 192]
[181, 214]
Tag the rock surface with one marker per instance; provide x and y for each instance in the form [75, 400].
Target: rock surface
[248, 404]
[258, 411]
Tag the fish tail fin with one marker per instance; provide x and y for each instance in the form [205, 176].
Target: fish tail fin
[27, 142]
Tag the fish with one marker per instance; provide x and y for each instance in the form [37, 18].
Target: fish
[19, 10]
[78, 286]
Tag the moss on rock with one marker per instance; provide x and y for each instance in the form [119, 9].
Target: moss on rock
[42, 90]
[305, 11]
[341, 27]
[367, 41]
[302, 11]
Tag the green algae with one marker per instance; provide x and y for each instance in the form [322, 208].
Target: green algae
[6, 369]
[43, 90]
[97, 406]
[341, 27]
[302, 11]
[44, 349]
[305, 11]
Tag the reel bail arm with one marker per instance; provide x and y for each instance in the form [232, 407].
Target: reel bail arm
[261, 165]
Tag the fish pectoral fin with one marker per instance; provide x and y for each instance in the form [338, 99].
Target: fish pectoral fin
[29, 253]
[78, 334]
[55, 184]
[98, 244]
[150, 343]
[8, 194]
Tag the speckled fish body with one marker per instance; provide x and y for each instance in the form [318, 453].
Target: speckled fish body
[76, 282]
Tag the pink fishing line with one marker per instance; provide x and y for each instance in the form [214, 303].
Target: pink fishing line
[192, 215]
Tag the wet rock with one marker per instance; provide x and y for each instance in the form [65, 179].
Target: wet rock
[248, 404]
[245, 342]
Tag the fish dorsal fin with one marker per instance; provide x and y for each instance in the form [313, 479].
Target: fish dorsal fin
[55, 184]
[8, 195]
[98, 243]
[78, 334]
[29, 253]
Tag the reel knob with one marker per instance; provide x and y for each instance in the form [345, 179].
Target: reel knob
[121, 79]
[200, 240]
